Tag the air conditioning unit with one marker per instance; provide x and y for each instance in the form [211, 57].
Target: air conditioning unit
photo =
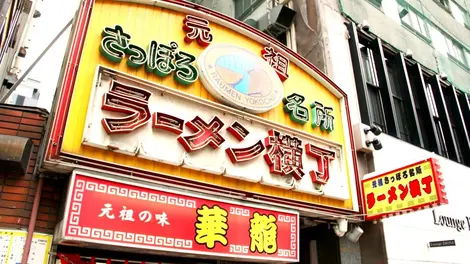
[277, 21]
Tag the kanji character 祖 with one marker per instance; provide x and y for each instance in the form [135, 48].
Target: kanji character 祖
[185, 72]
[324, 157]
[211, 226]
[380, 182]
[279, 62]
[129, 100]
[392, 195]
[415, 188]
[297, 112]
[126, 214]
[370, 198]
[114, 43]
[427, 184]
[145, 216]
[263, 233]
[404, 191]
[106, 211]
[321, 117]
[242, 154]
[162, 219]
[204, 134]
[284, 154]
[198, 29]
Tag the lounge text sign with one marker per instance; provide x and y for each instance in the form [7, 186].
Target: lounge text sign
[110, 212]
[444, 243]
[411, 187]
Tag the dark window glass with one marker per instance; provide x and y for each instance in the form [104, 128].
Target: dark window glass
[19, 100]
[397, 93]
[376, 105]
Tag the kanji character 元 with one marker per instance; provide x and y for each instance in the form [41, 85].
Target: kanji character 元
[114, 43]
[284, 154]
[204, 134]
[297, 112]
[211, 226]
[106, 211]
[374, 184]
[392, 195]
[279, 62]
[415, 188]
[126, 214]
[243, 154]
[324, 157]
[321, 117]
[129, 100]
[370, 199]
[198, 29]
[427, 184]
[185, 72]
[162, 219]
[404, 191]
[263, 233]
[145, 216]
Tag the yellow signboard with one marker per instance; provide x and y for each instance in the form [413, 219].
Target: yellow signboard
[12, 244]
[414, 186]
[161, 48]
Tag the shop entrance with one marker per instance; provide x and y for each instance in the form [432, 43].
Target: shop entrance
[319, 245]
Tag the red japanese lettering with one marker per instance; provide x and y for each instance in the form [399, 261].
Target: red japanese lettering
[284, 154]
[168, 122]
[244, 154]
[128, 100]
[279, 62]
[427, 182]
[392, 195]
[204, 134]
[370, 198]
[238, 131]
[324, 157]
[198, 29]
[381, 197]
[404, 191]
[415, 188]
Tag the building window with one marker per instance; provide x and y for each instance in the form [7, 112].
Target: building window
[243, 8]
[459, 13]
[376, 3]
[436, 120]
[456, 51]
[443, 3]
[413, 20]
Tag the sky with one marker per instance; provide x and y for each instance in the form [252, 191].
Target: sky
[55, 14]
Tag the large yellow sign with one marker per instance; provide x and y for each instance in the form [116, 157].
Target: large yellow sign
[160, 51]
[408, 188]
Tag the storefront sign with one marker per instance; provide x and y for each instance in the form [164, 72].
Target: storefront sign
[145, 120]
[451, 222]
[12, 244]
[444, 243]
[408, 188]
[106, 211]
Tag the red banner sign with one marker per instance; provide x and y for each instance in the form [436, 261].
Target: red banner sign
[106, 211]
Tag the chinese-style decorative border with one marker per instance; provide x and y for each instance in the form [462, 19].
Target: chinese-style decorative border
[438, 183]
[63, 100]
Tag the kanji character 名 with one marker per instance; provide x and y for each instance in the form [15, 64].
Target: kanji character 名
[126, 214]
[243, 154]
[284, 154]
[321, 117]
[106, 211]
[204, 134]
[412, 172]
[211, 226]
[114, 43]
[129, 100]
[324, 157]
[263, 233]
[185, 72]
[198, 29]
[279, 62]
[415, 188]
[427, 184]
[404, 191]
[297, 112]
[145, 216]
[370, 199]
[162, 219]
[392, 195]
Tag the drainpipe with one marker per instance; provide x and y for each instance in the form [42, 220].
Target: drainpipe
[32, 221]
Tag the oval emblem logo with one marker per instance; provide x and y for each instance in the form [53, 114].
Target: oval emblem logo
[240, 78]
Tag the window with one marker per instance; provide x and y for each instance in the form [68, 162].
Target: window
[443, 3]
[456, 51]
[244, 7]
[376, 3]
[459, 13]
[413, 20]
[437, 122]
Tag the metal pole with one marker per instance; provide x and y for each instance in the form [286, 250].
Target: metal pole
[32, 221]
[20, 80]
